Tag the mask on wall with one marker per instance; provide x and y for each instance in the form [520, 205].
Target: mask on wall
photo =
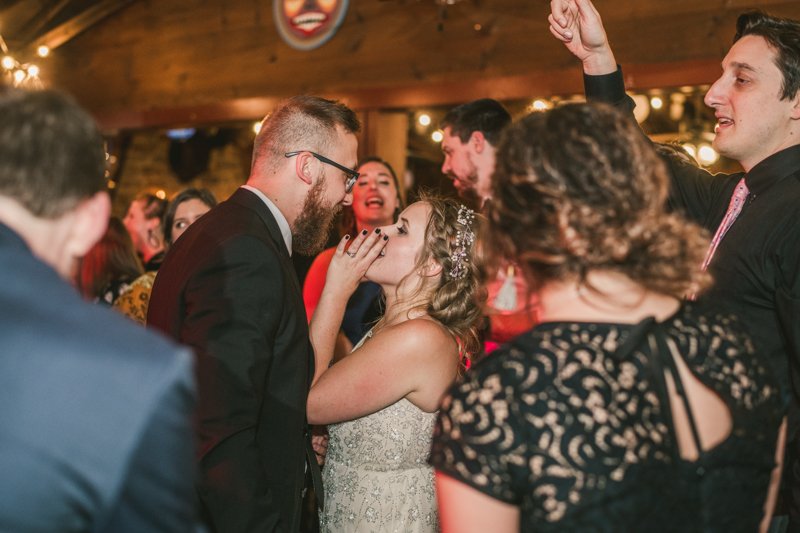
[308, 24]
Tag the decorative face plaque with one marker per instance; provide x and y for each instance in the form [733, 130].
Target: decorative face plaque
[308, 24]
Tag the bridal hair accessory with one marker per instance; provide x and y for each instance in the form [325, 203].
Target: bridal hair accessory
[465, 218]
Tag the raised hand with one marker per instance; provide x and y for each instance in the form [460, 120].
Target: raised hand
[349, 265]
[578, 25]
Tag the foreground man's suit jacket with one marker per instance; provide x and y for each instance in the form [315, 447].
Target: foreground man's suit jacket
[95, 414]
[228, 289]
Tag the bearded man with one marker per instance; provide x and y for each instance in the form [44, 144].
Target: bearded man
[227, 288]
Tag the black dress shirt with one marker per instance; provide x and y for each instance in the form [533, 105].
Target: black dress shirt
[756, 267]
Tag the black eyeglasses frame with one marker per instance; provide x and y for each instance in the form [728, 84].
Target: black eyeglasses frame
[352, 174]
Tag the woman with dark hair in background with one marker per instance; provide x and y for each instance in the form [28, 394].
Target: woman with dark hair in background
[376, 202]
[110, 266]
[184, 209]
[627, 408]
[144, 221]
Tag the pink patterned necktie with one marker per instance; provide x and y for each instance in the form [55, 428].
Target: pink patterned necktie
[734, 208]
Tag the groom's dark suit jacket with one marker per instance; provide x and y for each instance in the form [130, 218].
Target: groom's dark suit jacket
[227, 288]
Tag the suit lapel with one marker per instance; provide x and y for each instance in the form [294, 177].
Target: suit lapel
[251, 201]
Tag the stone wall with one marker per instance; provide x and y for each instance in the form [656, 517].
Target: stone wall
[145, 166]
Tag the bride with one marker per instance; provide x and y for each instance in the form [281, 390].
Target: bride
[380, 402]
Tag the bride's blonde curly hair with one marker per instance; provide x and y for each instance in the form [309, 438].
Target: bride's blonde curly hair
[455, 302]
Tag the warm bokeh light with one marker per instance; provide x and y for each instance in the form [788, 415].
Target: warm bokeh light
[707, 155]
[689, 147]
[477, 27]
[8, 62]
[437, 136]
[111, 184]
[540, 105]
[424, 120]
[656, 102]
[257, 127]
[43, 51]
[33, 71]
[19, 75]
[161, 194]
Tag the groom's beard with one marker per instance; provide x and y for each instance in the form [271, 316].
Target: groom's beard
[311, 228]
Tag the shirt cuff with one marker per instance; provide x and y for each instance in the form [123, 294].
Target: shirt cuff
[609, 88]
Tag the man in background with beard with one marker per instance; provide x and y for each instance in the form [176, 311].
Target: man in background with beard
[470, 133]
[227, 288]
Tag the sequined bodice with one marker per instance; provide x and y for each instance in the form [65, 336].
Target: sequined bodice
[375, 474]
[395, 438]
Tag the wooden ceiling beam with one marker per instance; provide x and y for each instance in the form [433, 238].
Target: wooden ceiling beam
[63, 33]
[537, 85]
[39, 22]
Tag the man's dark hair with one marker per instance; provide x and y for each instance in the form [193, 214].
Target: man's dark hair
[783, 36]
[485, 115]
[51, 153]
[302, 123]
[204, 195]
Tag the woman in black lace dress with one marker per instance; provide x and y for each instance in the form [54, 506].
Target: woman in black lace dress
[627, 408]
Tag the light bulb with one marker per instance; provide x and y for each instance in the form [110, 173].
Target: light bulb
[161, 194]
[257, 127]
[540, 105]
[33, 71]
[8, 62]
[690, 148]
[19, 75]
[424, 120]
[437, 136]
[656, 102]
[43, 51]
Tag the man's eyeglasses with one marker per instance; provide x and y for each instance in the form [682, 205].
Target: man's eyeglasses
[352, 175]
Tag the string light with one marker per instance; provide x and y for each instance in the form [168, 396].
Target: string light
[424, 120]
[27, 74]
[656, 102]
[437, 136]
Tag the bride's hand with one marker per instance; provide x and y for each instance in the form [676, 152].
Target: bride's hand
[349, 265]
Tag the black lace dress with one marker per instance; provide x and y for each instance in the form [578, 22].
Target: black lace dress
[571, 422]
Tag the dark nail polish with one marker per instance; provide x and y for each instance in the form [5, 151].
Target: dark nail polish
[347, 237]
[364, 232]
[377, 230]
[385, 237]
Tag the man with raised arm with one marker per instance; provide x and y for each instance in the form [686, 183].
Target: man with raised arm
[754, 256]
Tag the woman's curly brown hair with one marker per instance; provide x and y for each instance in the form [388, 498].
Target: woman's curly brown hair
[456, 302]
[579, 188]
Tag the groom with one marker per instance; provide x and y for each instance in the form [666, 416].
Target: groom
[228, 289]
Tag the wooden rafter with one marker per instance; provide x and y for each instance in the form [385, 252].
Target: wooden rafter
[63, 33]
[41, 20]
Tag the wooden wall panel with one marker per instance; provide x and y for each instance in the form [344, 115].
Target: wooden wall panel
[156, 57]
